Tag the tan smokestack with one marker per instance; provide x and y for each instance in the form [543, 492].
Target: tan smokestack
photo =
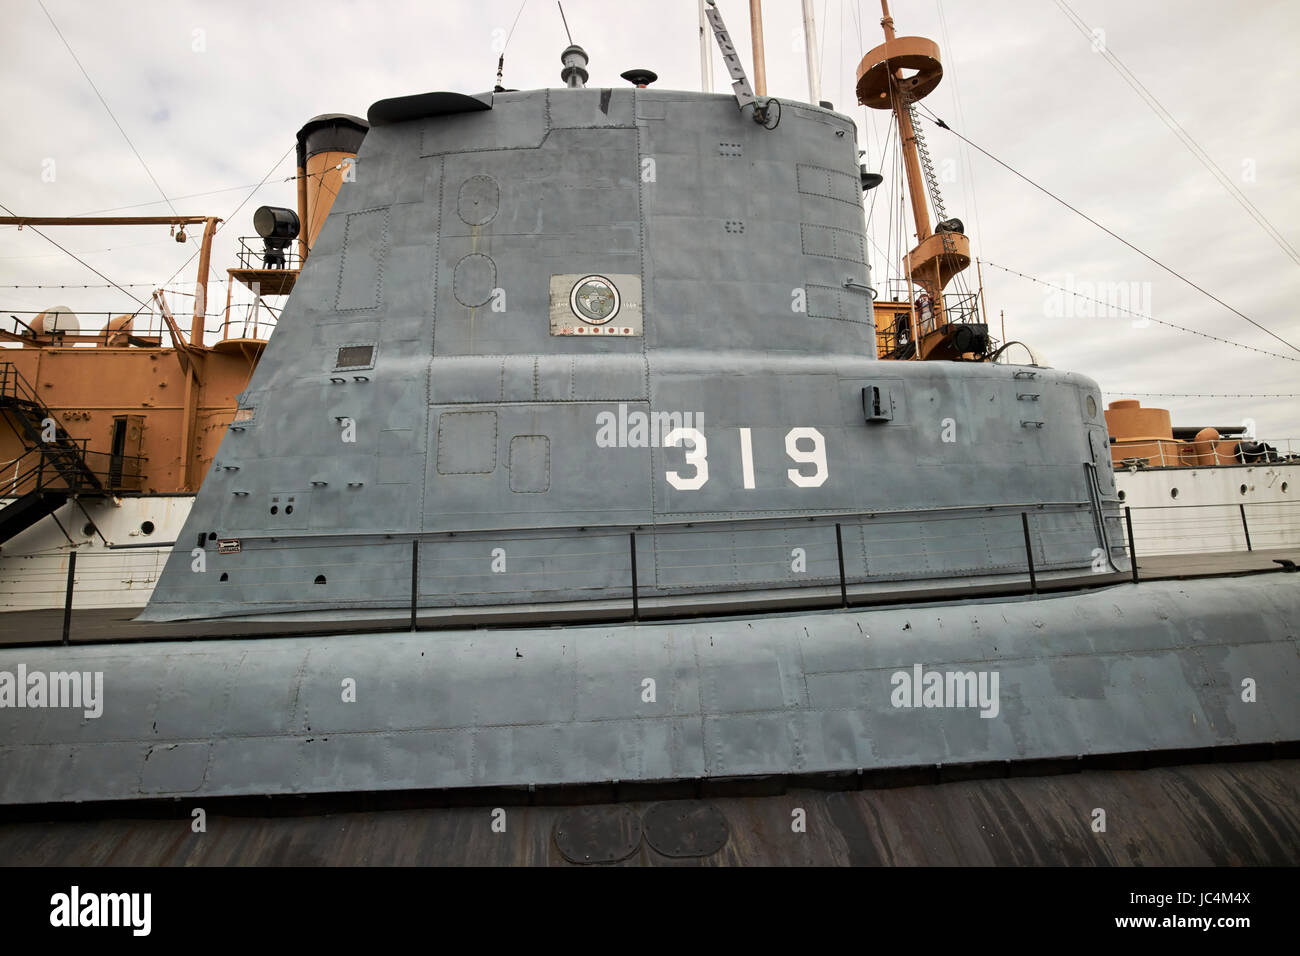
[324, 143]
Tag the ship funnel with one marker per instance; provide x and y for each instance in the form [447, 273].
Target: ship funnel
[327, 146]
[575, 61]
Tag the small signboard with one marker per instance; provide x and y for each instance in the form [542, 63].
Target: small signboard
[596, 304]
[228, 546]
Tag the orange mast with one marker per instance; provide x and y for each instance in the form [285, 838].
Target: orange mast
[938, 256]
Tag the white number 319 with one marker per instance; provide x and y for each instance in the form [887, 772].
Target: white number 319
[697, 455]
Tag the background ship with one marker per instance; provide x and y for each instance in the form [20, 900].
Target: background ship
[471, 493]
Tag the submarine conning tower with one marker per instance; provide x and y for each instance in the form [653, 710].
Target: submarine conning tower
[547, 337]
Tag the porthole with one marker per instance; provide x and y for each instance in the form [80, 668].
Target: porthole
[146, 527]
[1123, 495]
[1092, 407]
[225, 576]
[1243, 489]
[1284, 487]
[320, 579]
[88, 529]
[1173, 493]
[212, 536]
[275, 509]
[288, 509]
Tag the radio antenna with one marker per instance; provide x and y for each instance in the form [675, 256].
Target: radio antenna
[501, 60]
[566, 22]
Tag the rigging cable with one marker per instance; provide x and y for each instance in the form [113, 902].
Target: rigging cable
[143, 164]
[950, 69]
[1183, 136]
[942, 125]
[1149, 318]
[78, 258]
[224, 223]
[1194, 395]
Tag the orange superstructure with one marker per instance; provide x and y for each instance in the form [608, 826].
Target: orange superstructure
[127, 410]
[1145, 437]
[177, 403]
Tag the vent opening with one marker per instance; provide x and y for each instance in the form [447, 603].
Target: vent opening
[355, 356]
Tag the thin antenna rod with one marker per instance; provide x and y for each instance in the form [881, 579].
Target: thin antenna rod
[706, 54]
[566, 22]
[810, 47]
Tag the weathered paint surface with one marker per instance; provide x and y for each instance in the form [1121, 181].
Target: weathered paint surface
[1156, 666]
[419, 385]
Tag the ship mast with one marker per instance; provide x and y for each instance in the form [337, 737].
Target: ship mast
[903, 116]
[884, 83]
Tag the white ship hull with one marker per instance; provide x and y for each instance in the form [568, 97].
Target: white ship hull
[118, 569]
[1199, 510]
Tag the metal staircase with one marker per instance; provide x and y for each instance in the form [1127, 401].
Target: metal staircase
[53, 466]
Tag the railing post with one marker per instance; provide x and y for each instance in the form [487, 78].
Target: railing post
[636, 601]
[415, 577]
[1029, 552]
[67, 597]
[1132, 551]
[1245, 527]
[839, 551]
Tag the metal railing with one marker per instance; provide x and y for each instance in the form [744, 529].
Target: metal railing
[1195, 529]
[147, 327]
[1177, 453]
[832, 561]
[835, 570]
[895, 340]
[253, 254]
[46, 468]
[14, 385]
[247, 320]
[61, 463]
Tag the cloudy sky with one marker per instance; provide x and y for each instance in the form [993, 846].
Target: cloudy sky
[211, 94]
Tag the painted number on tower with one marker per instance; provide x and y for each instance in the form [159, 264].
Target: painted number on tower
[806, 447]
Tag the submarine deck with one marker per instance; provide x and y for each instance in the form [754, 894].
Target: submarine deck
[1220, 814]
[116, 625]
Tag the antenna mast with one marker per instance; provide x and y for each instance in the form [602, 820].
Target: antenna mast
[810, 48]
[940, 254]
[756, 34]
[706, 54]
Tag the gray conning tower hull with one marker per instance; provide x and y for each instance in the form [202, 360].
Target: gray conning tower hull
[447, 372]
[427, 392]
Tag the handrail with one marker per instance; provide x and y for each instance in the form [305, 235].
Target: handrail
[252, 254]
[1175, 459]
[1220, 504]
[22, 389]
[50, 466]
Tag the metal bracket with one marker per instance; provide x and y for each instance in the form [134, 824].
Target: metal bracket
[739, 82]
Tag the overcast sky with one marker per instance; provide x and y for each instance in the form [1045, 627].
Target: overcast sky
[211, 95]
